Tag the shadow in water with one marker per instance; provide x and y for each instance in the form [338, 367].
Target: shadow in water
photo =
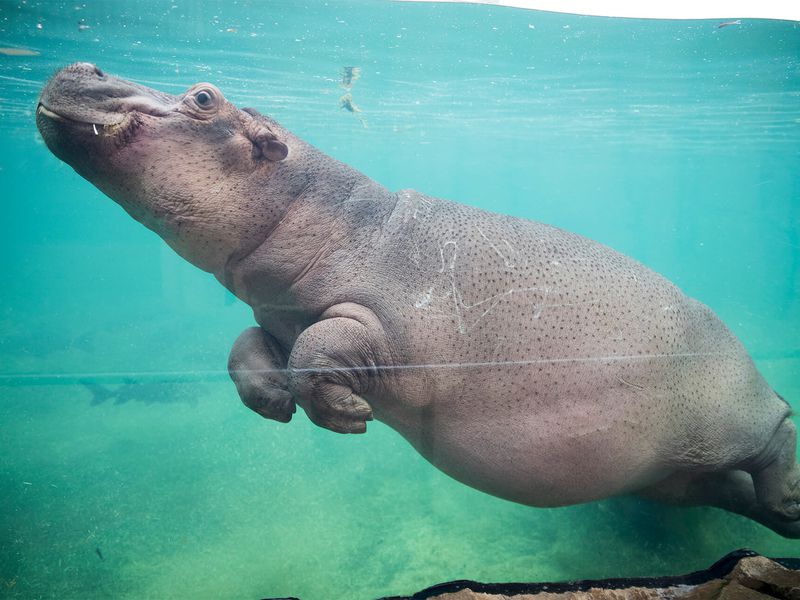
[146, 392]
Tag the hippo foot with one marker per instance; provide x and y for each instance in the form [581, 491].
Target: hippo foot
[257, 366]
[344, 414]
[266, 398]
[791, 506]
[786, 506]
[786, 520]
[332, 363]
[271, 403]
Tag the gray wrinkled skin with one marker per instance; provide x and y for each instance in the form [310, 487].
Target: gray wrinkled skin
[520, 359]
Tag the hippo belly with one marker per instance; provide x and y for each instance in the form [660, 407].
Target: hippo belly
[555, 370]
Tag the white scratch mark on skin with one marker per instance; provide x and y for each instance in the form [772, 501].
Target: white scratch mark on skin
[416, 254]
[425, 299]
[566, 304]
[495, 300]
[457, 302]
[539, 307]
[451, 304]
[617, 334]
[426, 204]
[508, 263]
[452, 259]
[414, 205]
[503, 294]
[451, 275]
[496, 348]
[635, 386]
[460, 308]
[353, 200]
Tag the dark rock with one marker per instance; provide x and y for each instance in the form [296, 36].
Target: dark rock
[741, 575]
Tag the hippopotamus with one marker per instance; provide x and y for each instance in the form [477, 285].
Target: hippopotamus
[520, 359]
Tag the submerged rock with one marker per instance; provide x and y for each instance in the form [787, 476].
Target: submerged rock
[741, 575]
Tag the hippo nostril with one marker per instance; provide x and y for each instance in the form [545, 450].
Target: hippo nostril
[86, 68]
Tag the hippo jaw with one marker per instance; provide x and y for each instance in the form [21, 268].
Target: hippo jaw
[82, 112]
[190, 167]
[44, 114]
[108, 123]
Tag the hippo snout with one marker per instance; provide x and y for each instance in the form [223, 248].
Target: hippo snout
[67, 90]
[74, 109]
[84, 93]
[84, 112]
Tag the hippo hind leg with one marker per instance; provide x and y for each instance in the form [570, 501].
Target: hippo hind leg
[768, 491]
[776, 474]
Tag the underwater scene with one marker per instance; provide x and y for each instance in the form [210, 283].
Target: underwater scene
[129, 466]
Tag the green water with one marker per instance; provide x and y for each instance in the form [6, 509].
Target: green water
[675, 142]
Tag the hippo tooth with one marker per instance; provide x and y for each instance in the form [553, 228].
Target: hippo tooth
[94, 128]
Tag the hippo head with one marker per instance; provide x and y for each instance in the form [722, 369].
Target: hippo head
[193, 167]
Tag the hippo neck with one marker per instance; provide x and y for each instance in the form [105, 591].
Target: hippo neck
[287, 279]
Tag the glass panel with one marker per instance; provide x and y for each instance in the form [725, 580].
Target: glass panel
[131, 469]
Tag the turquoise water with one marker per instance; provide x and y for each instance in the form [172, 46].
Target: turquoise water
[675, 142]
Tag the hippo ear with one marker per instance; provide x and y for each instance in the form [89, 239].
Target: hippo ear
[270, 147]
[265, 143]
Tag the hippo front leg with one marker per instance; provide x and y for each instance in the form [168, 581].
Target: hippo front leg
[257, 365]
[334, 363]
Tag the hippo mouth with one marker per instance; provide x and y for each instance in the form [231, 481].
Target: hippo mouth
[105, 127]
[85, 115]
[86, 140]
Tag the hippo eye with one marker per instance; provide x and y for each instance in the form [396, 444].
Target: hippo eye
[204, 98]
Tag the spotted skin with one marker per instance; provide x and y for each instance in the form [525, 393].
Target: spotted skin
[521, 359]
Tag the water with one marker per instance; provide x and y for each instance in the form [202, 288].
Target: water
[675, 142]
